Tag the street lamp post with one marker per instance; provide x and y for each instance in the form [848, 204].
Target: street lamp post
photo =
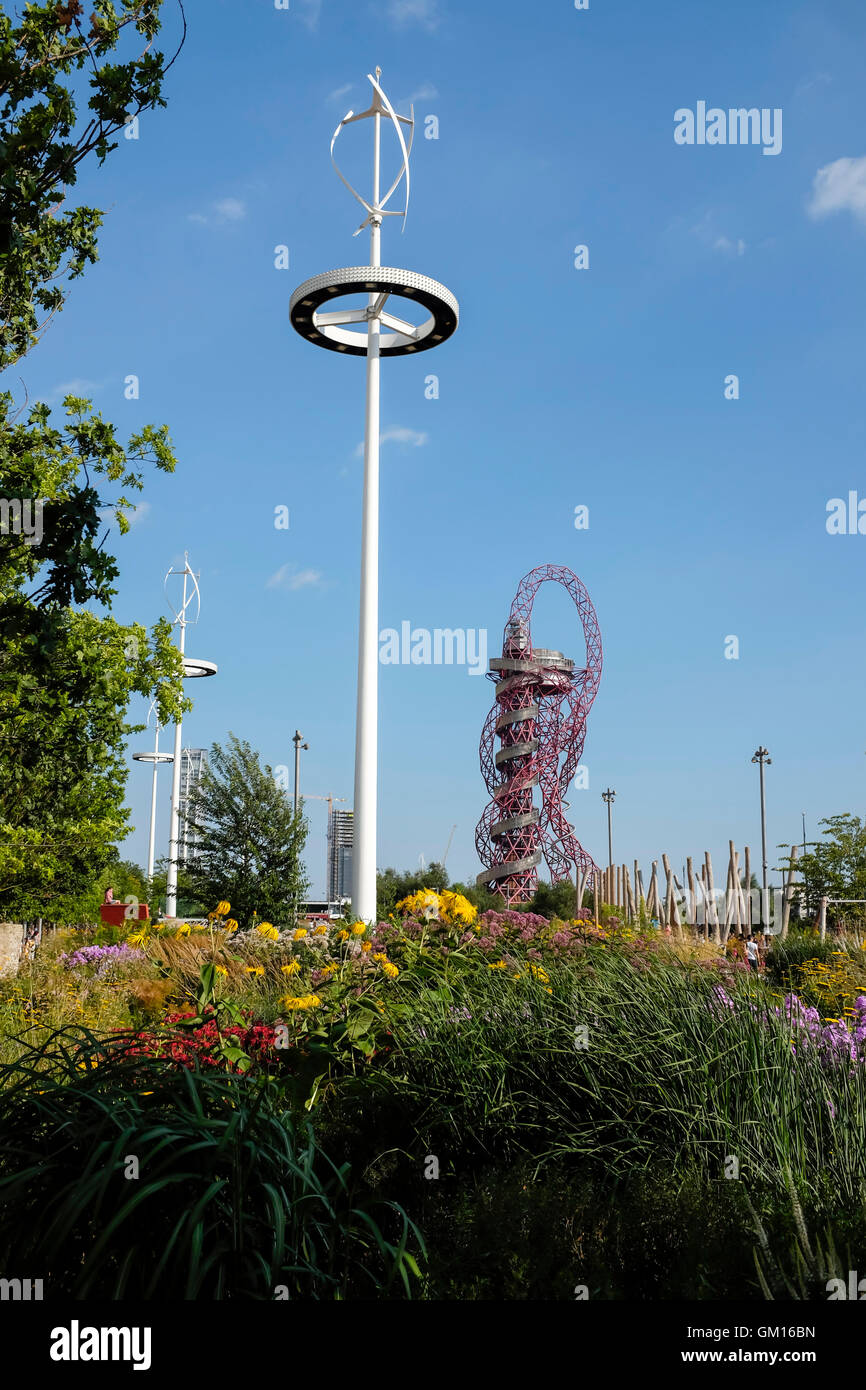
[155, 758]
[762, 757]
[298, 746]
[192, 668]
[336, 329]
[609, 796]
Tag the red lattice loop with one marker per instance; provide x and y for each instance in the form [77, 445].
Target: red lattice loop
[539, 718]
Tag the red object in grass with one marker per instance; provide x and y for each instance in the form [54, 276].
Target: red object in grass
[114, 914]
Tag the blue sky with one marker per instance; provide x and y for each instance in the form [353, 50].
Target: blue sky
[603, 387]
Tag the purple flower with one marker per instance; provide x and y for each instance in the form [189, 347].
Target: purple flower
[103, 957]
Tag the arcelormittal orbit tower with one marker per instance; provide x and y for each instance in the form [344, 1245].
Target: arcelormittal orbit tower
[539, 718]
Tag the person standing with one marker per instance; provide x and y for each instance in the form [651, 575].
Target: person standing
[752, 953]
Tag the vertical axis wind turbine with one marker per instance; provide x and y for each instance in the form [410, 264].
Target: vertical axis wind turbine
[192, 667]
[332, 329]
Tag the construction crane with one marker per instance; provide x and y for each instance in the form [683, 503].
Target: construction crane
[448, 846]
[330, 800]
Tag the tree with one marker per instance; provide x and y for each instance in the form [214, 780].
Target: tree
[554, 900]
[250, 840]
[43, 141]
[836, 866]
[392, 887]
[126, 879]
[67, 673]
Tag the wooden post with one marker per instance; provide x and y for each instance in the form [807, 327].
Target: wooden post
[726, 923]
[822, 919]
[738, 893]
[653, 900]
[712, 913]
[672, 910]
[747, 875]
[640, 900]
[789, 891]
[629, 895]
[729, 895]
[692, 905]
[705, 902]
[595, 897]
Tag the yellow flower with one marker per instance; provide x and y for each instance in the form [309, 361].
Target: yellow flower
[268, 930]
[342, 935]
[231, 924]
[390, 970]
[138, 938]
[222, 908]
[299, 933]
[184, 929]
[255, 970]
[366, 945]
[221, 970]
[293, 968]
[456, 909]
[359, 928]
[302, 1001]
[330, 969]
[497, 965]
[424, 903]
[321, 929]
[380, 956]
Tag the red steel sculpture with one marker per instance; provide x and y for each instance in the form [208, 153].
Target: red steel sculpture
[540, 715]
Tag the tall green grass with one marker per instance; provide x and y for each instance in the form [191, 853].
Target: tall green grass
[495, 1066]
[231, 1198]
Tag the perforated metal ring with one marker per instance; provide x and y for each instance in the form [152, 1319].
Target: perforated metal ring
[308, 314]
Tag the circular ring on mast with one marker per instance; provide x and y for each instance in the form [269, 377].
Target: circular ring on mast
[194, 666]
[316, 323]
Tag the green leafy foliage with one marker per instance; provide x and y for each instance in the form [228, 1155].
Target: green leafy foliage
[250, 840]
[232, 1198]
[835, 867]
[45, 51]
[67, 673]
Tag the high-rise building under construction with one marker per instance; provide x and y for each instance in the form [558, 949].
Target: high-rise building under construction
[341, 832]
[193, 762]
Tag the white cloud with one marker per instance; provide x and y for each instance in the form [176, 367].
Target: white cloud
[708, 231]
[223, 210]
[398, 434]
[230, 209]
[808, 83]
[426, 92]
[840, 187]
[133, 514]
[424, 12]
[138, 513]
[78, 386]
[340, 92]
[286, 577]
[730, 248]
[309, 12]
